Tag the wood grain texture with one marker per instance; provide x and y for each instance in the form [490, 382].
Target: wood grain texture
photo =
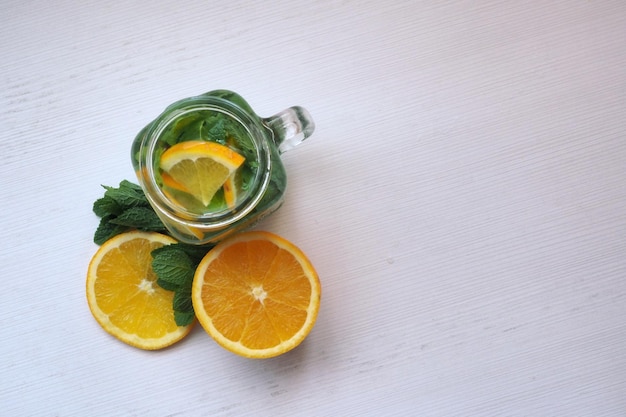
[463, 200]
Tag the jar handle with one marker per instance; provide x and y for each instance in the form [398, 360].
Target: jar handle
[291, 127]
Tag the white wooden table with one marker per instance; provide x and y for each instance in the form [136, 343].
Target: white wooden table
[463, 200]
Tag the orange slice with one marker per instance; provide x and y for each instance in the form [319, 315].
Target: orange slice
[231, 184]
[230, 191]
[256, 294]
[123, 295]
[199, 168]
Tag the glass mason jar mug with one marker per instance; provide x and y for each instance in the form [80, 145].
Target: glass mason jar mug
[210, 166]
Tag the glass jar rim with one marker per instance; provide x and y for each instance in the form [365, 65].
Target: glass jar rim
[258, 185]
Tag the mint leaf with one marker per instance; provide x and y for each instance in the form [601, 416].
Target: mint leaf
[106, 206]
[106, 230]
[127, 195]
[143, 218]
[166, 285]
[195, 252]
[240, 139]
[122, 209]
[184, 318]
[173, 267]
[217, 132]
[182, 300]
[172, 134]
[193, 131]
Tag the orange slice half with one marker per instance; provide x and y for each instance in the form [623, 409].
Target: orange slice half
[256, 294]
[123, 295]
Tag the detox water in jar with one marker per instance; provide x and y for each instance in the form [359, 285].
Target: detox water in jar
[210, 166]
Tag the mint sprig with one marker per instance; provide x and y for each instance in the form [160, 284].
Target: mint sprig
[175, 266]
[126, 208]
[122, 209]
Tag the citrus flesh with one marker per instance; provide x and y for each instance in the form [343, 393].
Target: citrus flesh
[199, 168]
[123, 295]
[230, 190]
[256, 294]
